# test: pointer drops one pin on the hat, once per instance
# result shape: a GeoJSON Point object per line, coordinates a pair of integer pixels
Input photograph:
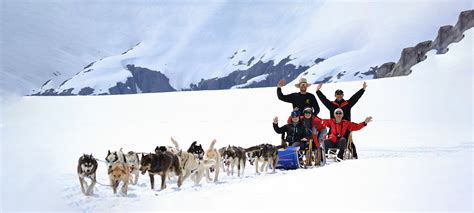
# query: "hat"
{"type": "Point", "coordinates": [338, 109]}
{"type": "Point", "coordinates": [339, 91]}
{"type": "Point", "coordinates": [295, 113]}
{"type": "Point", "coordinates": [308, 109]}
{"type": "Point", "coordinates": [302, 80]}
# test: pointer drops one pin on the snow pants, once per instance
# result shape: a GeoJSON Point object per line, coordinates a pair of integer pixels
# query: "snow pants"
{"type": "Point", "coordinates": [341, 144]}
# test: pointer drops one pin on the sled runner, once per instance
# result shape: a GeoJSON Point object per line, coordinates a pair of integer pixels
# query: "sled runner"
{"type": "Point", "coordinates": [309, 154]}
{"type": "Point", "coordinates": [348, 152]}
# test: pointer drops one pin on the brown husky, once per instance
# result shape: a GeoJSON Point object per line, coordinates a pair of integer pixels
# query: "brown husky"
{"type": "Point", "coordinates": [119, 172]}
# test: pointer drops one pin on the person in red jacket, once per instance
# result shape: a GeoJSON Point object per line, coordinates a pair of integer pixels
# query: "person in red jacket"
{"type": "Point", "coordinates": [313, 125]}
{"type": "Point", "coordinates": [339, 130]}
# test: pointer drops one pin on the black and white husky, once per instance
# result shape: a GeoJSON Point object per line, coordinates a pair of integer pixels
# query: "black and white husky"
{"type": "Point", "coordinates": [196, 150]}
{"type": "Point", "coordinates": [114, 157]}
{"type": "Point", "coordinates": [87, 167]}
{"type": "Point", "coordinates": [235, 156]}
{"type": "Point", "coordinates": [267, 154]}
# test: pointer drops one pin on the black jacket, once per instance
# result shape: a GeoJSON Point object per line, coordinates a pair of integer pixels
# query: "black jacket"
{"type": "Point", "coordinates": [294, 133]}
{"type": "Point", "coordinates": [343, 104]}
{"type": "Point", "coordinates": [300, 100]}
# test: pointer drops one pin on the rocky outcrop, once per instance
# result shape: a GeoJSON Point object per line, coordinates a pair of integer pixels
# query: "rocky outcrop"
{"type": "Point", "coordinates": [86, 91]}
{"type": "Point", "coordinates": [143, 80]}
{"type": "Point", "coordinates": [410, 56]}
{"type": "Point", "coordinates": [384, 69]}
{"type": "Point", "coordinates": [446, 35]}
{"type": "Point", "coordinates": [149, 80]}
{"type": "Point", "coordinates": [414, 55]}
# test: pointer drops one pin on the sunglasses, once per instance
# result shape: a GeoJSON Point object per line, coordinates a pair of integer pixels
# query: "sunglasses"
{"type": "Point", "coordinates": [307, 112]}
{"type": "Point", "coordinates": [338, 113]}
{"type": "Point", "coordinates": [339, 93]}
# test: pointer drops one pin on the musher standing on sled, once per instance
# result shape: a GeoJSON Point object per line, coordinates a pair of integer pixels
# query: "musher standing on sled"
{"type": "Point", "coordinates": [339, 130]}
{"type": "Point", "coordinates": [345, 105]}
{"type": "Point", "coordinates": [300, 100]}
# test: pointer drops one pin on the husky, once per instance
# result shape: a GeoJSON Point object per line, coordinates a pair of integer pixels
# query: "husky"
{"type": "Point", "coordinates": [87, 167]}
{"type": "Point", "coordinates": [264, 153]}
{"type": "Point", "coordinates": [161, 163]}
{"type": "Point", "coordinates": [254, 155]}
{"type": "Point", "coordinates": [191, 165]}
{"type": "Point", "coordinates": [197, 150]}
{"type": "Point", "coordinates": [114, 157]}
{"type": "Point", "coordinates": [133, 161]}
{"type": "Point", "coordinates": [174, 150]}
{"type": "Point", "coordinates": [235, 156]}
{"type": "Point", "coordinates": [119, 172]}
{"type": "Point", "coordinates": [213, 154]}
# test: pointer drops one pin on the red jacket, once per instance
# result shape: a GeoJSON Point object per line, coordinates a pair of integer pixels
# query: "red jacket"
{"type": "Point", "coordinates": [316, 123]}
{"type": "Point", "coordinates": [342, 129]}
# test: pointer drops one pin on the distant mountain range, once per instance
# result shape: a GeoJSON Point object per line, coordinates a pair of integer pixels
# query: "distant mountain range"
{"type": "Point", "coordinates": [217, 45]}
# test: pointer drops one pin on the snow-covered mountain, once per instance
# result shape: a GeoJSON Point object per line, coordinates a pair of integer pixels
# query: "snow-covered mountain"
{"type": "Point", "coordinates": [415, 156]}
{"type": "Point", "coordinates": [117, 46]}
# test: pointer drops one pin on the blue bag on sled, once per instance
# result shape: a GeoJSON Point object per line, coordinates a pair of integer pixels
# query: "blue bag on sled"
{"type": "Point", "coordinates": [288, 158]}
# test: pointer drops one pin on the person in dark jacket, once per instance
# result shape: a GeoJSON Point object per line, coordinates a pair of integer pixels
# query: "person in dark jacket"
{"type": "Point", "coordinates": [339, 130]}
{"type": "Point", "coordinates": [313, 125]}
{"type": "Point", "coordinates": [301, 99]}
{"type": "Point", "coordinates": [339, 102]}
{"type": "Point", "coordinates": [296, 134]}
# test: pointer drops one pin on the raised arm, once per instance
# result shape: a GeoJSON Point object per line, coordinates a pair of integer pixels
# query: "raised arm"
{"type": "Point", "coordinates": [353, 100]}
{"type": "Point", "coordinates": [277, 129]}
{"type": "Point", "coordinates": [285, 98]}
{"type": "Point", "coordinates": [315, 106]}
{"type": "Point", "coordinates": [357, 126]}
{"type": "Point", "coordinates": [323, 99]}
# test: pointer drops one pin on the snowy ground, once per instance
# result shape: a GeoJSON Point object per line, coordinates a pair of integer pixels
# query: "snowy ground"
{"type": "Point", "coordinates": [416, 155]}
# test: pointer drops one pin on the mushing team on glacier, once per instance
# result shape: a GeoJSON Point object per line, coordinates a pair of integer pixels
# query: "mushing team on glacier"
{"type": "Point", "coordinates": [306, 142]}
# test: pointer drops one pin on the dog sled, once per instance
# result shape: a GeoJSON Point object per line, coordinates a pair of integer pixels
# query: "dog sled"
{"type": "Point", "coordinates": [294, 157]}
{"type": "Point", "coordinates": [332, 153]}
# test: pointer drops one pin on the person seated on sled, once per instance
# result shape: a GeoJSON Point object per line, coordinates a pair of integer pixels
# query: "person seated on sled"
{"type": "Point", "coordinates": [296, 134]}
{"type": "Point", "coordinates": [313, 125]}
{"type": "Point", "coordinates": [339, 130]}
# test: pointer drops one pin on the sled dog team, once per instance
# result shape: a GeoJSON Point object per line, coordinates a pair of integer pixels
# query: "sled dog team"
{"type": "Point", "coordinates": [170, 161]}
